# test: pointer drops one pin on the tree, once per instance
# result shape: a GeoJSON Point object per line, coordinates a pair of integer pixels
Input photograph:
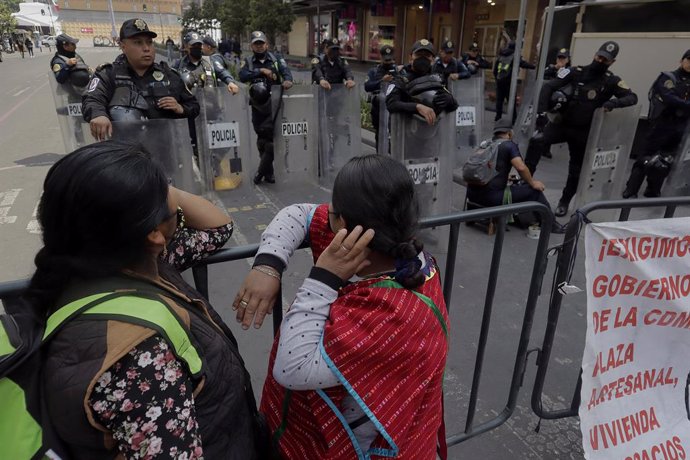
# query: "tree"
{"type": "Point", "coordinates": [271, 17]}
{"type": "Point", "coordinates": [7, 22]}
{"type": "Point", "coordinates": [233, 16]}
{"type": "Point", "coordinates": [193, 18]}
{"type": "Point", "coordinates": [12, 5]}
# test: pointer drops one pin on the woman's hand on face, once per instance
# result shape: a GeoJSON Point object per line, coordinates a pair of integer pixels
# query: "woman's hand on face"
{"type": "Point", "coordinates": [347, 253]}
{"type": "Point", "coordinates": [256, 298]}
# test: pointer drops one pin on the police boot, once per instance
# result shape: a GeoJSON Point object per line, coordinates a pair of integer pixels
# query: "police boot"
{"type": "Point", "coordinates": [258, 177]}
{"type": "Point", "coordinates": [561, 209]}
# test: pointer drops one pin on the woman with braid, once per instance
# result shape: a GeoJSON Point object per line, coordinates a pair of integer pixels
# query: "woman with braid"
{"type": "Point", "coordinates": [357, 368]}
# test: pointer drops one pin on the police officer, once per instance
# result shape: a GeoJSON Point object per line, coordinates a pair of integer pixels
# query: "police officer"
{"type": "Point", "coordinates": [262, 70]}
{"type": "Point", "coordinates": [416, 90]}
{"type": "Point", "coordinates": [473, 59]}
{"type": "Point", "coordinates": [376, 77]}
{"type": "Point", "coordinates": [592, 86]}
{"type": "Point", "coordinates": [330, 68]}
{"type": "Point", "coordinates": [447, 66]}
{"type": "Point", "coordinates": [562, 62]}
{"type": "Point", "coordinates": [669, 112]}
{"type": "Point", "coordinates": [220, 66]}
{"type": "Point", "coordinates": [503, 73]}
{"type": "Point", "coordinates": [135, 87]}
{"type": "Point", "coordinates": [199, 72]}
{"type": "Point", "coordinates": [68, 67]}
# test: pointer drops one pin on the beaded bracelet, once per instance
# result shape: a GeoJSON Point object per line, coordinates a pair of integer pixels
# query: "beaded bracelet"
{"type": "Point", "coordinates": [267, 271]}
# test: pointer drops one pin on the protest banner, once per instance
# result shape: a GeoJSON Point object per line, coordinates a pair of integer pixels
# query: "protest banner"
{"type": "Point", "coordinates": [637, 353]}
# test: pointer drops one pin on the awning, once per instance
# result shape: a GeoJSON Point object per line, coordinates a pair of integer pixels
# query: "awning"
{"type": "Point", "coordinates": [32, 21]}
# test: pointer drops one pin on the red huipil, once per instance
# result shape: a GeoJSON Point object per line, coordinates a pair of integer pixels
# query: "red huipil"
{"type": "Point", "coordinates": [387, 345]}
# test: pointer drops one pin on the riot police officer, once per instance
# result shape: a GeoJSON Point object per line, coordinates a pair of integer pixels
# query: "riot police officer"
{"type": "Point", "coordinates": [331, 68]}
{"type": "Point", "coordinates": [68, 67]}
{"type": "Point", "coordinates": [503, 73]}
{"type": "Point", "coordinates": [447, 66]}
{"type": "Point", "coordinates": [416, 90]}
{"type": "Point", "coordinates": [669, 112]}
{"type": "Point", "coordinates": [262, 70]}
{"type": "Point", "coordinates": [199, 72]}
{"type": "Point", "coordinates": [220, 66]}
{"type": "Point", "coordinates": [591, 86]}
{"type": "Point", "coordinates": [376, 77]}
{"type": "Point", "coordinates": [473, 59]}
{"type": "Point", "coordinates": [134, 86]}
{"type": "Point", "coordinates": [562, 62]}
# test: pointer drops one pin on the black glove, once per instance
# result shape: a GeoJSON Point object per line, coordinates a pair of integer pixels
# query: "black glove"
{"type": "Point", "coordinates": [609, 105]}
{"type": "Point", "coordinates": [444, 102]}
{"type": "Point", "coordinates": [541, 121]}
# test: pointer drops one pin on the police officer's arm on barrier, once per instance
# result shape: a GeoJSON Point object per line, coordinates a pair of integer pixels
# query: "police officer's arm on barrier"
{"type": "Point", "coordinates": [462, 71]}
{"type": "Point", "coordinates": [373, 82]}
{"type": "Point", "coordinates": [664, 87]}
{"type": "Point", "coordinates": [349, 77]}
{"type": "Point", "coordinates": [625, 96]}
{"type": "Point", "coordinates": [285, 74]}
{"type": "Point", "coordinates": [246, 75]}
{"type": "Point", "coordinates": [95, 104]}
{"type": "Point", "coordinates": [317, 74]}
{"type": "Point", "coordinates": [223, 75]}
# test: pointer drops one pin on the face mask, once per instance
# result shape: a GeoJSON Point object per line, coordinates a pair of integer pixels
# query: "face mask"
{"type": "Point", "coordinates": [333, 55]}
{"type": "Point", "coordinates": [195, 53]}
{"type": "Point", "coordinates": [260, 55]}
{"type": "Point", "coordinates": [421, 65]}
{"type": "Point", "coordinates": [598, 68]}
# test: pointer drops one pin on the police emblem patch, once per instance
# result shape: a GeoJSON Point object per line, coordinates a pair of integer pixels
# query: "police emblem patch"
{"type": "Point", "coordinates": [562, 50]}
{"type": "Point", "coordinates": [563, 72]}
{"type": "Point", "coordinates": [256, 34]}
{"type": "Point", "coordinates": [56, 67]}
{"type": "Point", "coordinates": [668, 84]}
{"type": "Point", "coordinates": [389, 89]}
{"type": "Point", "coordinates": [93, 84]}
{"type": "Point", "coordinates": [610, 47]}
{"type": "Point", "coordinates": [315, 61]}
{"type": "Point", "coordinates": [140, 24]}
{"type": "Point", "coordinates": [157, 75]}
{"type": "Point", "coordinates": [449, 44]}
{"type": "Point", "coordinates": [423, 42]}
{"type": "Point", "coordinates": [623, 84]}
{"type": "Point", "coordinates": [591, 94]}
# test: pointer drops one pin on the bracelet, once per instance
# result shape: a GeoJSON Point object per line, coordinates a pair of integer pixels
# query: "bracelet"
{"type": "Point", "coordinates": [267, 271]}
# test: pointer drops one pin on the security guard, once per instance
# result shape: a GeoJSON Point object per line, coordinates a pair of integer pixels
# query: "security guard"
{"type": "Point", "coordinates": [592, 86]}
{"type": "Point", "coordinates": [68, 67]}
{"type": "Point", "coordinates": [562, 62]}
{"type": "Point", "coordinates": [447, 66]}
{"type": "Point", "coordinates": [220, 67]}
{"type": "Point", "coordinates": [135, 87]}
{"type": "Point", "coordinates": [669, 112]}
{"type": "Point", "coordinates": [376, 77]}
{"type": "Point", "coordinates": [416, 90]}
{"type": "Point", "coordinates": [473, 59]}
{"type": "Point", "coordinates": [261, 71]}
{"type": "Point", "coordinates": [503, 73]}
{"type": "Point", "coordinates": [331, 68]}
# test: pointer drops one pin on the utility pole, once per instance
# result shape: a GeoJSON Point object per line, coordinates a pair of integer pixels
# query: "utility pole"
{"type": "Point", "coordinates": [113, 31]}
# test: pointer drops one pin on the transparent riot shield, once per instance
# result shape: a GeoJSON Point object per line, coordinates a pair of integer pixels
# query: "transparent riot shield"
{"type": "Point", "coordinates": [296, 134]}
{"type": "Point", "coordinates": [75, 131]}
{"type": "Point", "coordinates": [168, 142]}
{"type": "Point", "coordinates": [524, 126]}
{"type": "Point", "coordinates": [427, 152]}
{"type": "Point", "coordinates": [301, 77]}
{"type": "Point", "coordinates": [608, 148]}
{"type": "Point", "coordinates": [340, 130]}
{"type": "Point", "coordinates": [223, 139]}
{"type": "Point", "coordinates": [469, 116]}
{"type": "Point", "coordinates": [678, 181]}
{"type": "Point", "coordinates": [383, 145]}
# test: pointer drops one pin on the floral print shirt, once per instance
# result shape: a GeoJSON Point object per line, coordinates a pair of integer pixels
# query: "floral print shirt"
{"type": "Point", "coordinates": [145, 399]}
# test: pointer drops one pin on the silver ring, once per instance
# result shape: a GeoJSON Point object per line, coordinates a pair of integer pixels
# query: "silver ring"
{"type": "Point", "coordinates": [244, 303]}
{"type": "Point", "coordinates": [342, 246]}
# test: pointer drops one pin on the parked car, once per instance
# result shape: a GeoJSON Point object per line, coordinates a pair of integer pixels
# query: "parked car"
{"type": "Point", "coordinates": [48, 40]}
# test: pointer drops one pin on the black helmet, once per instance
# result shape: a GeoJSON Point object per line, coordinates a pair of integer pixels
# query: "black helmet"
{"type": "Point", "coordinates": [120, 113]}
{"type": "Point", "coordinates": [472, 68]}
{"type": "Point", "coordinates": [79, 78]}
{"type": "Point", "coordinates": [189, 79]}
{"type": "Point", "coordinates": [560, 98]}
{"type": "Point", "coordinates": [259, 93]}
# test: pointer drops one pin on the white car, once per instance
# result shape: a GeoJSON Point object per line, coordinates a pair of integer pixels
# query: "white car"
{"type": "Point", "coordinates": [48, 40]}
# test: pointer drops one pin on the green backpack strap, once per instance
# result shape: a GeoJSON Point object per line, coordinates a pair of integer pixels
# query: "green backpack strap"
{"type": "Point", "coordinates": [136, 308]}
{"type": "Point", "coordinates": [390, 283]}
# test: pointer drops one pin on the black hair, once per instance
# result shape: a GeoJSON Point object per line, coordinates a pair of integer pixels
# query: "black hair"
{"type": "Point", "coordinates": [98, 205]}
{"type": "Point", "coordinates": [376, 191]}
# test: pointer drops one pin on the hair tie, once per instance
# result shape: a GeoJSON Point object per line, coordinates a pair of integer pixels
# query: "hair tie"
{"type": "Point", "coordinates": [406, 268]}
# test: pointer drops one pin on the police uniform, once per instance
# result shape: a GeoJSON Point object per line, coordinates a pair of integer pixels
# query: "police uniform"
{"type": "Point", "coordinates": [669, 113]}
{"type": "Point", "coordinates": [199, 74]}
{"type": "Point", "coordinates": [75, 78]}
{"type": "Point", "coordinates": [375, 81]}
{"type": "Point", "coordinates": [503, 73]}
{"type": "Point", "coordinates": [551, 71]}
{"type": "Point", "coordinates": [592, 86]}
{"type": "Point", "coordinates": [333, 72]}
{"type": "Point", "coordinates": [479, 59]}
{"type": "Point", "coordinates": [262, 114]}
{"type": "Point", "coordinates": [116, 88]}
{"type": "Point", "coordinates": [411, 87]}
{"type": "Point", "coordinates": [453, 66]}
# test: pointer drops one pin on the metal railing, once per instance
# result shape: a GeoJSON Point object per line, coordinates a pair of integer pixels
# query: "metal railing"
{"type": "Point", "coordinates": [500, 215]}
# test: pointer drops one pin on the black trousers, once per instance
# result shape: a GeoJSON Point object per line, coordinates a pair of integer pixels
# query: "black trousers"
{"type": "Point", "coordinates": [262, 121]}
{"type": "Point", "coordinates": [520, 193]}
{"type": "Point", "coordinates": [664, 138]}
{"type": "Point", "coordinates": [576, 137]}
{"type": "Point", "coordinates": [502, 95]}
{"type": "Point", "coordinates": [375, 114]}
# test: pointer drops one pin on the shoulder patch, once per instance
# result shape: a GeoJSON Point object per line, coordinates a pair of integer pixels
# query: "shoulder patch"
{"type": "Point", "coordinates": [93, 84]}
{"type": "Point", "coordinates": [668, 84]}
{"type": "Point", "coordinates": [389, 89]}
{"type": "Point", "coordinates": [622, 84]}
{"type": "Point", "coordinates": [345, 62]}
{"type": "Point", "coordinates": [57, 67]}
{"type": "Point", "coordinates": [244, 64]}
{"type": "Point", "coordinates": [563, 72]}
{"type": "Point", "coordinates": [315, 61]}
{"type": "Point", "coordinates": [282, 62]}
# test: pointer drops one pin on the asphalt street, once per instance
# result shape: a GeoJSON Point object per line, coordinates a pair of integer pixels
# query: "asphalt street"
{"type": "Point", "coordinates": [31, 141]}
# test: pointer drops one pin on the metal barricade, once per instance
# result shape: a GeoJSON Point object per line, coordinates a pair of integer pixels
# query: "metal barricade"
{"type": "Point", "coordinates": [678, 181]}
{"type": "Point", "coordinates": [562, 277]}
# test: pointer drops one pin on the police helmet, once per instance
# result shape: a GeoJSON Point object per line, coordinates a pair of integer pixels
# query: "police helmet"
{"type": "Point", "coordinates": [560, 98]}
{"type": "Point", "coordinates": [259, 93]}
{"type": "Point", "coordinates": [120, 113]}
{"type": "Point", "coordinates": [189, 80]}
{"type": "Point", "coordinates": [79, 78]}
{"type": "Point", "coordinates": [472, 68]}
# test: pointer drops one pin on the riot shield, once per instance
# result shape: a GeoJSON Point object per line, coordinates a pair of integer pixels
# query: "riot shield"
{"type": "Point", "coordinates": [296, 134]}
{"type": "Point", "coordinates": [608, 148]}
{"type": "Point", "coordinates": [75, 131]}
{"type": "Point", "coordinates": [678, 181]}
{"type": "Point", "coordinates": [301, 77]}
{"type": "Point", "coordinates": [340, 130]}
{"type": "Point", "coordinates": [168, 142]}
{"type": "Point", "coordinates": [524, 125]}
{"type": "Point", "coordinates": [223, 138]}
{"type": "Point", "coordinates": [383, 145]}
{"type": "Point", "coordinates": [469, 116]}
{"type": "Point", "coordinates": [426, 151]}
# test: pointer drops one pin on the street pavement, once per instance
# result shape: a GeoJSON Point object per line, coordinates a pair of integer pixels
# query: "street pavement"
{"type": "Point", "coordinates": [31, 142]}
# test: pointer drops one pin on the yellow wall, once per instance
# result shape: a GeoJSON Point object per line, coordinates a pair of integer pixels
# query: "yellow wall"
{"type": "Point", "coordinates": [152, 6]}
{"type": "Point", "coordinates": [73, 29]}
{"type": "Point", "coordinates": [297, 38]}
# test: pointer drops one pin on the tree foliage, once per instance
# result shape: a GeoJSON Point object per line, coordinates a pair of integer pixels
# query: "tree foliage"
{"type": "Point", "coordinates": [7, 22]}
{"type": "Point", "coordinates": [271, 17]}
{"type": "Point", "coordinates": [12, 5]}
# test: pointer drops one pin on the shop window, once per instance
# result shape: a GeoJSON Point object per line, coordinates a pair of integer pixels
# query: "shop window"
{"type": "Point", "coordinates": [350, 37]}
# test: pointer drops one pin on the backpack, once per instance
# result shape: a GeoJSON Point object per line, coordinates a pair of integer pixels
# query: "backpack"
{"type": "Point", "coordinates": [25, 430]}
{"type": "Point", "coordinates": [480, 167]}
{"type": "Point", "coordinates": [656, 103]}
